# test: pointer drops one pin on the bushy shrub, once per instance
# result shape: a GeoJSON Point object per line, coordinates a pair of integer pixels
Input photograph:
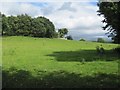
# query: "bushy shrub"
{"type": "Point", "coordinates": [69, 37]}
{"type": "Point", "coordinates": [100, 50]}
{"type": "Point", "coordinates": [117, 49]}
{"type": "Point", "coordinates": [101, 40]}
{"type": "Point", "coordinates": [82, 39]}
{"type": "Point", "coordinates": [55, 35]}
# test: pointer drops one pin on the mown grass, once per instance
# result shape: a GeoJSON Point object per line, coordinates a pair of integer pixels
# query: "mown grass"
{"type": "Point", "coordinates": [41, 62]}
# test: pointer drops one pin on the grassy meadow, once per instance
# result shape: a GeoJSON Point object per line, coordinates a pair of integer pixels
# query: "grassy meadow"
{"type": "Point", "coordinates": [56, 63]}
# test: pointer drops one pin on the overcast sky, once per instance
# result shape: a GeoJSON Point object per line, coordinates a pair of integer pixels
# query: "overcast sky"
{"type": "Point", "coordinates": [79, 17]}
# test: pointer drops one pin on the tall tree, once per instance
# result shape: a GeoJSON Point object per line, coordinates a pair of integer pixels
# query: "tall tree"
{"type": "Point", "coordinates": [111, 12]}
{"type": "Point", "coordinates": [23, 25]}
{"type": "Point", "coordinates": [12, 25]}
{"type": "Point", "coordinates": [50, 28]}
{"type": "Point", "coordinates": [38, 29]}
{"type": "Point", "coordinates": [62, 32]}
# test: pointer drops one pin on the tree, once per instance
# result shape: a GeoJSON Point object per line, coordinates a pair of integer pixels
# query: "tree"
{"type": "Point", "coordinates": [23, 24]}
{"type": "Point", "coordinates": [69, 37]}
{"type": "Point", "coordinates": [5, 26]}
{"type": "Point", "coordinates": [0, 24]}
{"type": "Point", "coordinates": [62, 32]}
{"type": "Point", "coordinates": [55, 35]}
{"type": "Point", "coordinates": [27, 26]}
{"type": "Point", "coordinates": [50, 28]}
{"type": "Point", "coordinates": [101, 40]}
{"type": "Point", "coordinates": [111, 12]}
{"type": "Point", "coordinates": [38, 29]}
{"type": "Point", "coordinates": [46, 27]}
{"type": "Point", "coordinates": [82, 39]}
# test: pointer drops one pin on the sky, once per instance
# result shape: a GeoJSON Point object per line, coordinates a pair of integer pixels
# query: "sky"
{"type": "Point", "coordinates": [80, 17]}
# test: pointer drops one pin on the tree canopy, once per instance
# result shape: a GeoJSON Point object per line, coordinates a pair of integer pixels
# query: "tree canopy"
{"type": "Point", "coordinates": [111, 12]}
{"type": "Point", "coordinates": [62, 32]}
{"type": "Point", "coordinates": [69, 37]}
{"type": "Point", "coordinates": [101, 40]}
{"type": "Point", "coordinates": [27, 26]}
{"type": "Point", "coordinates": [82, 39]}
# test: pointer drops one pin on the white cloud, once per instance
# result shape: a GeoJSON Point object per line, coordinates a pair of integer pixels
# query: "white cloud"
{"type": "Point", "coordinates": [15, 8]}
{"type": "Point", "coordinates": [82, 20]}
{"type": "Point", "coordinates": [79, 17]}
{"type": "Point", "coordinates": [47, 0]}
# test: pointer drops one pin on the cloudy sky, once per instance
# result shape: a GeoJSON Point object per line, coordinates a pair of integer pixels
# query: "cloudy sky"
{"type": "Point", "coordinates": [80, 17]}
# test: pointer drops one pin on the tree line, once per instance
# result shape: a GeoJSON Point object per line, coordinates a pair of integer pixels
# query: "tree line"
{"type": "Point", "coordinates": [27, 26]}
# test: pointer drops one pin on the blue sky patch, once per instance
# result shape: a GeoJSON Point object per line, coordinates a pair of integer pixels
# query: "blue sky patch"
{"type": "Point", "coordinates": [40, 4]}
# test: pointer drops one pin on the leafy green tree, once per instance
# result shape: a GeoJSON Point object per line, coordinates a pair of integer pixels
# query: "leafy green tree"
{"type": "Point", "coordinates": [5, 26]}
{"type": "Point", "coordinates": [12, 25]}
{"type": "Point", "coordinates": [55, 35]}
{"type": "Point", "coordinates": [50, 29]}
{"type": "Point", "coordinates": [111, 12]}
{"type": "Point", "coordinates": [0, 24]}
{"type": "Point", "coordinates": [38, 29]}
{"type": "Point", "coordinates": [69, 37]}
{"type": "Point", "coordinates": [62, 32]}
{"type": "Point", "coordinates": [42, 27]}
{"type": "Point", "coordinates": [23, 25]}
{"type": "Point", "coordinates": [101, 40]}
{"type": "Point", "coordinates": [82, 39]}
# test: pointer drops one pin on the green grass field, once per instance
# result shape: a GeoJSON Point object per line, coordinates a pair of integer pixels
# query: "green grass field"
{"type": "Point", "coordinates": [42, 62]}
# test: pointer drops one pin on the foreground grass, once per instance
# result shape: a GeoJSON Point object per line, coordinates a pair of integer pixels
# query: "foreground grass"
{"type": "Point", "coordinates": [34, 62]}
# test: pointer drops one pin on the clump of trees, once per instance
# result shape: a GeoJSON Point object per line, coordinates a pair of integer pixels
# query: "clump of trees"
{"type": "Point", "coordinates": [27, 26]}
{"type": "Point", "coordinates": [101, 40]}
{"type": "Point", "coordinates": [111, 12]}
{"type": "Point", "coordinates": [82, 39]}
{"type": "Point", "coordinates": [69, 37]}
{"type": "Point", "coordinates": [62, 32]}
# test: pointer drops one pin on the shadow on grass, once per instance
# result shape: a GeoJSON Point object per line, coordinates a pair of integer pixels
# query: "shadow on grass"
{"type": "Point", "coordinates": [14, 78]}
{"type": "Point", "coordinates": [87, 55]}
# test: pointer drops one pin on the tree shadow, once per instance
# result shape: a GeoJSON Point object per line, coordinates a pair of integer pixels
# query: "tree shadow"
{"type": "Point", "coordinates": [14, 78]}
{"type": "Point", "coordinates": [86, 55]}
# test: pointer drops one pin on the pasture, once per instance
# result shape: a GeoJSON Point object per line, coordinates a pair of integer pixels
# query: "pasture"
{"type": "Point", "coordinates": [56, 63]}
